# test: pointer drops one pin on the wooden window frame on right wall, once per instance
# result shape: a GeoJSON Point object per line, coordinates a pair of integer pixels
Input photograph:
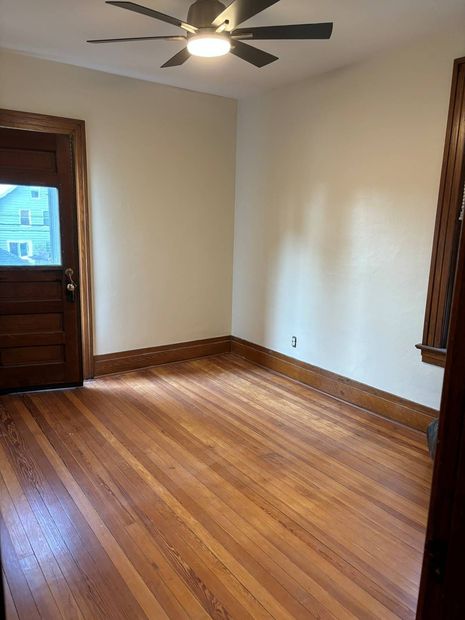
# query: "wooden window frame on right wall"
{"type": "Point", "coordinates": [449, 219]}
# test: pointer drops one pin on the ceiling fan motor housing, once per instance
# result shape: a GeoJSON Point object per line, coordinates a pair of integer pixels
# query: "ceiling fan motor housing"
{"type": "Point", "coordinates": [203, 12]}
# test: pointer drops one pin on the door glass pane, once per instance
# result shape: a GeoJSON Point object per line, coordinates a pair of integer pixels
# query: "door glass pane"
{"type": "Point", "coordinates": [29, 226]}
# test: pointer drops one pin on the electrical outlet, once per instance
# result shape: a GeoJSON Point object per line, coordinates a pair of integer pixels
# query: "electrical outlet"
{"type": "Point", "coordinates": [294, 342]}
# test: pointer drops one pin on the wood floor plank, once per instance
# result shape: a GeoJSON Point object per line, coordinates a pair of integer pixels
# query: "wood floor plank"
{"type": "Point", "coordinates": [65, 527]}
{"type": "Point", "coordinates": [38, 583]}
{"type": "Point", "coordinates": [161, 446]}
{"type": "Point", "coordinates": [326, 442]}
{"type": "Point", "coordinates": [270, 466]}
{"type": "Point", "coordinates": [10, 608]}
{"type": "Point", "coordinates": [326, 410]}
{"type": "Point", "coordinates": [22, 596]}
{"type": "Point", "coordinates": [127, 571]}
{"type": "Point", "coordinates": [184, 501]}
{"type": "Point", "coordinates": [222, 450]}
{"type": "Point", "coordinates": [311, 452]}
{"type": "Point", "coordinates": [208, 489]}
{"type": "Point", "coordinates": [190, 529]}
{"type": "Point", "coordinates": [113, 483]}
{"type": "Point", "coordinates": [23, 513]}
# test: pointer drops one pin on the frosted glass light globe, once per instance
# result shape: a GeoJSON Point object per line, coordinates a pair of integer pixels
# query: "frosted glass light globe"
{"type": "Point", "coordinates": [208, 45]}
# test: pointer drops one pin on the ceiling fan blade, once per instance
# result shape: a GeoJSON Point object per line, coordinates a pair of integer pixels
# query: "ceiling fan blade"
{"type": "Point", "coordinates": [167, 38]}
{"type": "Point", "coordinates": [256, 57]}
{"type": "Point", "coordinates": [143, 10]}
{"type": "Point", "coordinates": [240, 10]}
{"type": "Point", "coordinates": [178, 59]}
{"type": "Point", "coordinates": [297, 31]}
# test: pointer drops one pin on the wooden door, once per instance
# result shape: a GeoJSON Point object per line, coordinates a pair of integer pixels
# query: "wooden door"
{"type": "Point", "coordinates": [40, 340]}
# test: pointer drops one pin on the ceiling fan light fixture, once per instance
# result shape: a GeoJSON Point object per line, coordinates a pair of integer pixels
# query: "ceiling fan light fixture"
{"type": "Point", "coordinates": [209, 45]}
{"type": "Point", "coordinates": [211, 30]}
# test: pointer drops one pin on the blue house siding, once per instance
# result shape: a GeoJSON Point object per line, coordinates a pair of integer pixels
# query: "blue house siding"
{"type": "Point", "coordinates": [36, 239]}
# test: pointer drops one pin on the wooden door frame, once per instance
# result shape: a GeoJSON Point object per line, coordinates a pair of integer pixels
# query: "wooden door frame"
{"type": "Point", "coordinates": [75, 129]}
{"type": "Point", "coordinates": [442, 595]}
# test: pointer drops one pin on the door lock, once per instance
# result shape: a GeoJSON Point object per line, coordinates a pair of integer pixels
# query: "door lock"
{"type": "Point", "coordinates": [71, 286]}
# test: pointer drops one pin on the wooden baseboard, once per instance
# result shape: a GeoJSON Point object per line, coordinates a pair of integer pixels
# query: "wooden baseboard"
{"type": "Point", "coordinates": [382, 403]}
{"type": "Point", "coordinates": [125, 361]}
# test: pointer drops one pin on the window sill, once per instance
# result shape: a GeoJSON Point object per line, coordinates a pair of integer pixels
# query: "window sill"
{"type": "Point", "coordinates": [432, 355]}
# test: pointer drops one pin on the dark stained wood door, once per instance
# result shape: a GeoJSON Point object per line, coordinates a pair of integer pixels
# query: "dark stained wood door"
{"type": "Point", "coordinates": [40, 340]}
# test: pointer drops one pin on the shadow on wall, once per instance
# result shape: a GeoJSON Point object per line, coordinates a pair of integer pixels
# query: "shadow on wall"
{"type": "Point", "coordinates": [339, 216]}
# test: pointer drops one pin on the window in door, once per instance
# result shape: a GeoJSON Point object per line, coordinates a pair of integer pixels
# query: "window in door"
{"type": "Point", "coordinates": [39, 214]}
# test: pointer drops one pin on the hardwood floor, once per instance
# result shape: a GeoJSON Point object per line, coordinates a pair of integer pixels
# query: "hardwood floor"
{"type": "Point", "coordinates": [209, 488]}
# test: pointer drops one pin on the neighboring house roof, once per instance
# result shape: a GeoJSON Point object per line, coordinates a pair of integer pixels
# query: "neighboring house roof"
{"type": "Point", "coordinates": [7, 258]}
{"type": "Point", "coordinates": [6, 189]}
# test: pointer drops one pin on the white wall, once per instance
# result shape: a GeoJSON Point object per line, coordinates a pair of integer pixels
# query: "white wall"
{"type": "Point", "coordinates": [336, 192]}
{"type": "Point", "coordinates": [161, 173]}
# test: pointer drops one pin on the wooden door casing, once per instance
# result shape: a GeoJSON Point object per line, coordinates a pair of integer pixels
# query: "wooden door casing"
{"type": "Point", "coordinates": [442, 595]}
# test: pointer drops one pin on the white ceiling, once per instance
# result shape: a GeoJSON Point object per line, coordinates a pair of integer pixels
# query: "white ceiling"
{"type": "Point", "coordinates": [57, 29]}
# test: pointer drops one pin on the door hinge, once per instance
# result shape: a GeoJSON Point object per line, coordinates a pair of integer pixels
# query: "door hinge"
{"type": "Point", "coordinates": [437, 553]}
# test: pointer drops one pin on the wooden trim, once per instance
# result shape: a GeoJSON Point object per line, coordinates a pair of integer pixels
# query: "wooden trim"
{"type": "Point", "coordinates": [447, 227]}
{"type": "Point", "coordinates": [442, 595]}
{"type": "Point", "coordinates": [125, 361]}
{"type": "Point", "coordinates": [432, 355]}
{"type": "Point", "coordinates": [376, 401]}
{"type": "Point", "coordinates": [382, 403]}
{"type": "Point", "coordinates": [75, 129]}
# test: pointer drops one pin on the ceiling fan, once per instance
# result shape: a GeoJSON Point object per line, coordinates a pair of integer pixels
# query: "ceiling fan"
{"type": "Point", "coordinates": [211, 30]}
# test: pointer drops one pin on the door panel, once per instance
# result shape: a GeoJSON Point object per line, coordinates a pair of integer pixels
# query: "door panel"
{"type": "Point", "coordinates": [40, 341]}
{"type": "Point", "coordinates": [33, 354]}
{"type": "Point", "coordinates": [31, 291]}
{"type": "Point", "coordinates": [33, 160]}
{"type": "Point", "coordinates": [27, 323]}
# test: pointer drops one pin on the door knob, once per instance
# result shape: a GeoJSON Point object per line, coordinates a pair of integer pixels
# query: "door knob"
{"type": "Point", "coordinates": [71, 285]}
